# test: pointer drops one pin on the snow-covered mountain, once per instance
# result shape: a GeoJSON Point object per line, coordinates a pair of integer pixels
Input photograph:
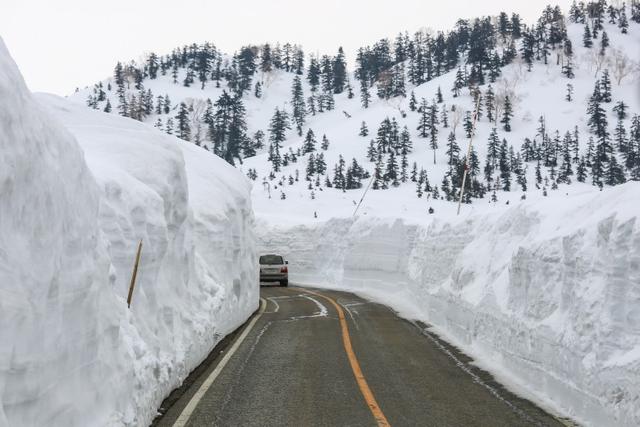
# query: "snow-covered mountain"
{"type": "Point", "coordinates": [538, 277]}
{"type": "Point", "coordinates": [228, 104]}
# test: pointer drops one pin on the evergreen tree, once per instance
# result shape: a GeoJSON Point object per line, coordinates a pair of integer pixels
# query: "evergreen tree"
{"type": "Point", "coordinates": [507, 114]}
{"type": "Point", "coordinates": [309, 142]}
{"type": "Point", "coordinates": [123, 107]}
{"type": "Point", "coordinates": [569, 95]}
{"type": "Point", "coordinates": [566, 170]}
{"type": "Point", "coordinates": [452, 153]}
{"type": "Point", "coordinates": [311, 168]}
{"type": "Point", "coordinates": [538, 174]}
{"type": "Point", "coordinates": [439, 97]}
{"type": "Point", "coordinates": [489, 100]}
{"type": "Point", "coordinates": [623, 23]}
{"type": "Point", "coordinates": [605, 87]}
{"type": "Point", "coordinates": [614, 174]}
{"type": "Point", "coordinates": [326, 76]}
{"type": "Point", "coordinates": [620, 137]}
{"type": "Point", "coordinates": [505, 167]}
{"type": "Point", "coordinates": [298, 61]}
{"type": "Point", "coordinates": [444, 117]}
{"type": "Point", "coordinates": [520, 171]}
{"type": "Point", "coordinates": [313, 74]}
{"type": "Point", "coordinates": [184, 127]}
{"type": "Point", "coordinates": [321, 165]}
{"type": "Point", "coordinates": [227, 130]}
{"type": "Point", "coordinates": [567, 69]}
{"type": "Point", "coordinates": [311, 105]}
{"type": "Point", "coordinates": [378, 177]}
{"type": "Point", "coordinates": [604, 43]}
{"type": "Point", "coordinates": [107, 107]}
{"type": "Point", "coordinates": [495, 69]}
{"type": "Point", "coordinates": [350, 93]}
{"type": "Point", "coordinates": [405, 144]}
{"type": "Point", "coordinates": [266, 61]}
{"type": "Point", "coordinates": [169, 127]}
{"type": "Point", "coordinates": [159, 104]}
{"type": "Point", "coordinates": [621, 110]}
{"type": "Point", "coordinates": [414, 172]}
{"type": "Point", "coordinates": [398, 81]}
{"type": "Point", "coordinates": [258, 140]}
{"type": "Point", "coordinates": [339, 72]}
{"type": "Point", "coordinates": [586, 37]}
{"type": "Point", "coordinates": [189, 77]}
{"type": "Point", "coordinates": [420, 183]}
{"type": "Point", "coordinates": [446, 189]}
{"type": "Point", "coordinates": [528, 49]}
{"type": "Point", "coordinates": [424, 123]}
{"type": "Point", "coordinates": [325, 143]}
{"type": "Point", "coordinates": [413, 103]}
{"type": "Point", "coordinates": [635, 11]}
{"type": "Point", "coordinates": [433, 129]}
{"type": "Point", "coordinates": [581, 173]}
{"type": "Point", "coordinates": [365, 96]}
{"type": "Point", "coordinates": [364, 131]}
{"type": "Point", "coordinates": [298, 104]}
{"type": "Point", "coordinates": [458, 84]}
{"type": "Point", "coordinates": [277, 134]}
{"type": "Point", "coordinates": [391, 172]}
{"type": "Point", "coordinates": [167, 104]}
{"type": "Point", "coordinates": [468, 124]}
{"type": "Point", "coordinates": [597, 116]}
{"type": "Point", "coordinates": [493, 155]}
{"type": "Point", "coordinates": [372, 152]}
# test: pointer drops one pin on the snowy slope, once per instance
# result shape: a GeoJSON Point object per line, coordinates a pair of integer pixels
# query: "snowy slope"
{"type": "Point", "coordinates": [547, 304]}
{"type": "Point", "coordinates": [540, 92]}
{"type": "Point", "coordinates": [75, 203]}
{"type": "Point", "coordinates": [542, 291]}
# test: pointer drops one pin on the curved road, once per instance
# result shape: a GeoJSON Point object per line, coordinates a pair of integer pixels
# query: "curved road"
{"type": "Point", "coordinates": [326, 358]}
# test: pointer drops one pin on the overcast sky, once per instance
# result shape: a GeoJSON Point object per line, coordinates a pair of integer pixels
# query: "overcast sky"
{"type": "Point", "coordinates": [62, 44]}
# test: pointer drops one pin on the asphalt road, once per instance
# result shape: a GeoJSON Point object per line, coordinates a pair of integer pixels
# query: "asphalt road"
{"type": "Point", "coordinates": [300, 364]}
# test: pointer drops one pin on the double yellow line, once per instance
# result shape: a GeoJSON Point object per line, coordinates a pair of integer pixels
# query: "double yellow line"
{"type": "Point", "coordinates": [355, 365]}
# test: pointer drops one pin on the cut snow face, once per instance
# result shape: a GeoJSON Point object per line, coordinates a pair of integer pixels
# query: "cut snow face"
{"type": "Point", "coordinates": [59, 320]}
{"type": "Point", "coordinates": [547, 304]}
{"type": "Point", "coordinates": [75, 203]}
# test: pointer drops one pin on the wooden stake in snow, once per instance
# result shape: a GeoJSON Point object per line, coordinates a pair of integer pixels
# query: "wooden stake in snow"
{"type": "Point", "coordinates": [135, 273]}
{"type": "Point", "coordinates": [466, 163]}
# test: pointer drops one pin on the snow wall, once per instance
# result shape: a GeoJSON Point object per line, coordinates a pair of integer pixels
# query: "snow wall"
{"type": "Point", "coordinates": [545, 296]}
{"type": "Point", "coordinates": [78, 190]}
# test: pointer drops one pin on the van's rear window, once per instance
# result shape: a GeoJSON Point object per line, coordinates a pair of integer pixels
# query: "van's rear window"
{"type": "Point", "coordinates": [271, 260]}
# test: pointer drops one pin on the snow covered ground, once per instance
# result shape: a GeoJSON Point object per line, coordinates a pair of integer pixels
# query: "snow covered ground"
{"type": "Point", "coordinates": [545, 295]}
{"type": "Point", "coordinates": [543, 291]}
{"type": "Point", "coordinates": [79, 190]}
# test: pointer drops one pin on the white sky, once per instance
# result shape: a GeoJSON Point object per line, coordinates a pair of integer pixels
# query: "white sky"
{"type": "Point", "coordinates": [61, 44]}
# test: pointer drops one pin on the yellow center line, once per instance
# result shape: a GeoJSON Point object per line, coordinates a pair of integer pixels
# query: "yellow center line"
{"type": "Point", "coordinates": [355, 365]}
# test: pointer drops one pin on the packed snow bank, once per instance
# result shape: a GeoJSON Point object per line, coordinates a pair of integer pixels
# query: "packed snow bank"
{"type": "Point", "coordinates": [197, 279]}
{"type": "Point", "coordinates": [72, 354]}
{"type": "Point", "coordinates": [59, 320]}
{"type": "Point", "coordinates": [545, 295]}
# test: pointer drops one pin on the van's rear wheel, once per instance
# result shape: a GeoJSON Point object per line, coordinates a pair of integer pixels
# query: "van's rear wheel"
{"type": "Point", "coordinates": [284, 283]}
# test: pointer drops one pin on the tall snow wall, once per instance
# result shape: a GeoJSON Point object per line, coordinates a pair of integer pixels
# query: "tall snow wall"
{"type": "Point", "coordinates": [545, 296]}
{"type": "Point", "coordinates": [78, 190]}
